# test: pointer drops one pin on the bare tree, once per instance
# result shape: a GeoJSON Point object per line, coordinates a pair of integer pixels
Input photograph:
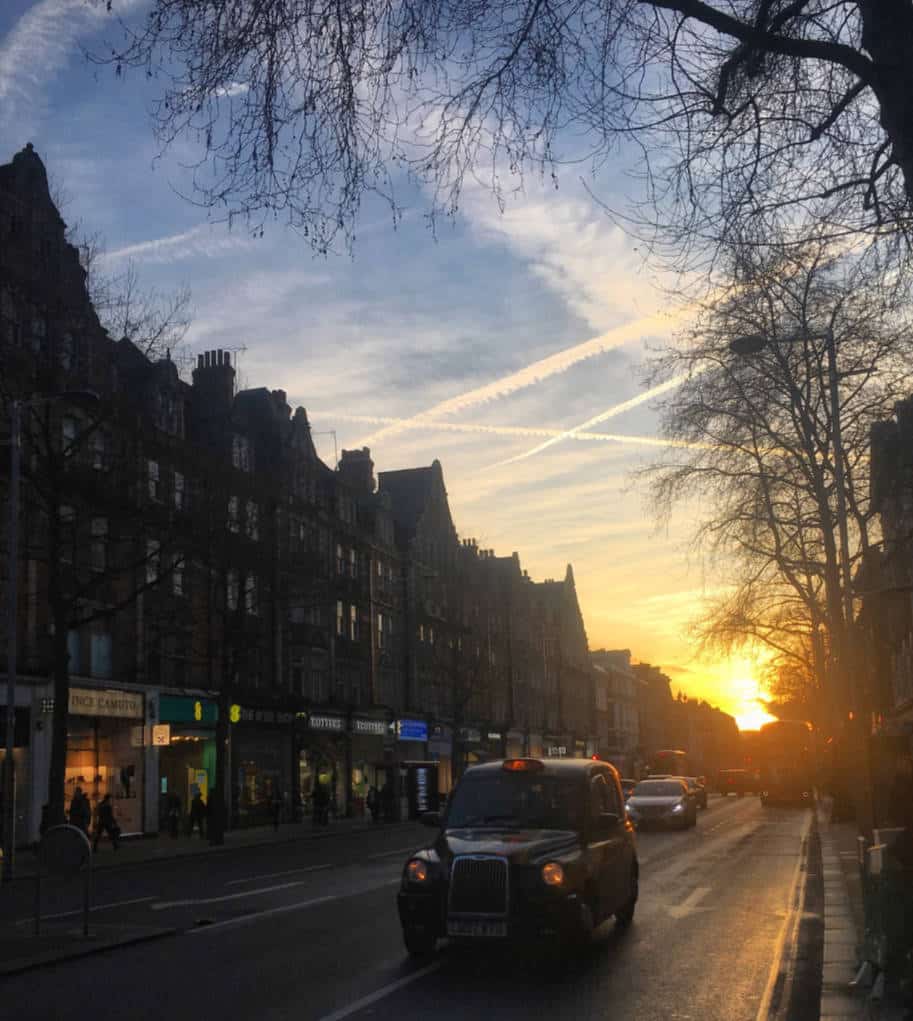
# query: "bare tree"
{"type": "Point", "coordinates": [766, 109]}
{"type": "Point", "coordinates": [755, 444]}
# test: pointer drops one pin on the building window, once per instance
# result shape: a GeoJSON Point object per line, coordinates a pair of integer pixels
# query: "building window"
{"type": "Point", "coordinates": [340, 560]}
{"type": "Point", "coordinates": [340, 619]}
{"type": "Point", "coordinates": [353, 623]}
{"type": "Point", "coordinates": [67, 351]}
{"type": "Point", "coordinates": [99, 546]}
{"type": "Point", "coordinates": [232, 590]}
{"type": "Point", "coordinates": [253, 525]}
{"type": "Point", "coordinates": [100, 655]}
{"type": "Point", "coordinates": [296, 614]}
{"type": "Point", "coordinates": [353, 564]}
{"type": "Point", "coordinates": [152, 478]}
{"type": "Point", "coordinates": [68, 431]}
{"type": "Point", "coordinates": [178, 491]}
{"type": "Point", "coordinates": [233, 525]}
{"type": "Point", "coordinates": [380, 570]}
{"type": "Point", "coordinates": [177, 576]}
{"type": "Point", "coordinates": [99, 451]}
{"type": "Point", "coordinates": [318, 684]}
{"type": "Point", "coordinates": [153, 548]}
{"type": "Point", "coordinates": [240, 452]}
{"type": "Point", "coordinates": [296, 674]}
{"type": "Point", "coordinates": [67, 519]}
{"type": "Point", "coordinates": [315, 616]}
{"type": "Point", "coordinates": [431, 635]}
{"type": "Point", "coordinates": [74, 650]}
{"type": "Point", "coordinates": [380, 631]}
{"type": "Point", "coordinates": [251, 605]}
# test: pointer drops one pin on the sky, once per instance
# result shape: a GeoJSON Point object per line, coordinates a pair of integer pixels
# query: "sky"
{"type": "Point", "coordinates": [508, 345]}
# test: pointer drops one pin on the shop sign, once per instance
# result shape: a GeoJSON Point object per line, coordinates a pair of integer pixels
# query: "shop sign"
{"type": "Point", "coordinates": [100, 702]}
{"type": "Point", "coordinates": [556, 751]}
{"type": "Point", "coordinates": [319, 721]}
{"type": "Point", "coordinates": [493, 735]}
{"type": "Point", "coordinates": [275, 716]}
{"type": "Point", "coordinates": [378, 728]}
{"type": "Point", "coordinates": [181, 709]}
{"type": "Point", "coordinates": [161, 734]}
{"type": "Point", "coordinates": [412, 730]}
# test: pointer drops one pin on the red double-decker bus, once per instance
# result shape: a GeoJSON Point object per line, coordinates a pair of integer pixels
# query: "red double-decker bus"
{"type": "Point", "coordinates": [669, 761]}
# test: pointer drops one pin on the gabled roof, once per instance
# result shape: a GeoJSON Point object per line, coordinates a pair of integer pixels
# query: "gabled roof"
{"type": "Point", "coordinates": [412, 491]}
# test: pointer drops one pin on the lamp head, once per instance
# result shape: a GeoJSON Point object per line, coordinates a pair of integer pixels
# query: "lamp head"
{"type": "Point", "coordinates": [749, 344]}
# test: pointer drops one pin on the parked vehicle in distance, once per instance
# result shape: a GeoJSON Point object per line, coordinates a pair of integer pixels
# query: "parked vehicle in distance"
{"type": "Point", "coordinates": [669, 762]}
{"type": "Point", "coordinates": [737, 781]}
{"type": "Point", "coordinates": [662, 803]}
{"type": "Point", "coordinates": [698, 790]}
{"type": "Point", "coordinates": [529, 849]}
{"type": "Point", "coordinates": [787, 762]}
{"type": "Point", "coordinates": [627, 785]}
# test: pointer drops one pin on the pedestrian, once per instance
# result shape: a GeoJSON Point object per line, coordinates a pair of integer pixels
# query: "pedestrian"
{"type": "Point", "coordinates": [276, 807]}
{"type": "Point", "coordinates": [198, 813]}
{"type": "Point", "coordinates": [386, 797]}
{"type": "Point", "coordinates": [80, 811]}
{"type": "Point", "coordinates": [106, 823]}
{"type": "Point", "coordinates": [372, 802]}
{"type": "Point", "coordinates": [321, 804]}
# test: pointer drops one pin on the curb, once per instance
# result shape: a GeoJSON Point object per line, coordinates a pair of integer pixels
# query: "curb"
{"type": "Point", "coordinates": [112, 865]}
{"type": "Point", "coordinates": [21, 965]}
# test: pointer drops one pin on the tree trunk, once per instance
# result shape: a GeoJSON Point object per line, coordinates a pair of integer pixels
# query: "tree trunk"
{"type": "Point", "coordinates": [61, 667]}
{"type": "Point", "coordinates": [217, 822]}
{"type": "Point", "coordinates": [887, 35]}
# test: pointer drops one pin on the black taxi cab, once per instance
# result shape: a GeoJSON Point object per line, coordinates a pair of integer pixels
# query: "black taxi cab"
{"type": "Point", "coordinates": [528, 849]}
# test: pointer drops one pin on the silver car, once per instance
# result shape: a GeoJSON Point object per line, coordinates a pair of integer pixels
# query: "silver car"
{"type": "Point", "coordinates": [662, 803]}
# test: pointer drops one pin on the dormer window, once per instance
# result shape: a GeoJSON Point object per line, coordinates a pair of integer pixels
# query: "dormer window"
{"type": "Point", "coordinates": [67, 352]}
{"type": "Point", "coordinates": [240, 452]}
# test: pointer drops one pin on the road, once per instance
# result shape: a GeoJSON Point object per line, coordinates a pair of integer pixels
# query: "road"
{"type": "Point", "coordinates": [308, 931]}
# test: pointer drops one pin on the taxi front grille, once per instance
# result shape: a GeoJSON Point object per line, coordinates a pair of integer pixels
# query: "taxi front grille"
{"type": "Point", "coordinates": [478, 886]}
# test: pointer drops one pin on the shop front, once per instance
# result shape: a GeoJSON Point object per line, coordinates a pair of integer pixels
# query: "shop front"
{"type": "Point", "coordinates": [106, 745]}
{"type": "Point", "coordinates": [21, 763]}
{"type": "Point", "coordinates": [558, 746]}
{"type": "Point", "coordinates": [187, 762]}
{"type": "Point", "coordinates": [515, 745]}
{"type": "Point", "coordinates": [322, 748]}
{"type": "Point", "coordinates": [440, 750]}
{"type": "Point", "coordinates": [261, 764]}
{"type": "Point", "coordinates": [368, 738]}
{"type": "Point", "coordinates": [535, 746]}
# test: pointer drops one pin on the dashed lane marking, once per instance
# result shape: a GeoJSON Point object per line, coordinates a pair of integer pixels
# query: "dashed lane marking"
{"type": "Point", "coordinates": [196, 901]}
{"type": "Point", "coordinates": [255, 916]}
{"type": "Point", "coordinates": [276, 875]}
{"type": "Point", "coordinates": [379, 994]}
{"type": "Point", "coordinates": [78, 911]}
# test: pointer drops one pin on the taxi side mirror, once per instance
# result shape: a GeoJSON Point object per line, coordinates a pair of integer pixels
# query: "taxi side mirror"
{"type": "Point", "coordinates": [431, 819]}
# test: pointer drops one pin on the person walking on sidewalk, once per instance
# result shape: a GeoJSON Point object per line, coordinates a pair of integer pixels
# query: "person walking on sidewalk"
{"type": "Point", "coordinates": [372, 801]}
{"type": "Point", "coordinates": [106, 823]}
{"type": "Point", "coordinates": [80, 811]}
{"type": "Point", "coordinates": [198, 814]}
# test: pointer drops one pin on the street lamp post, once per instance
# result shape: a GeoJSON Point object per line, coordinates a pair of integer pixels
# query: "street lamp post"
{"type": "Point", "coordinates": [9, 770]}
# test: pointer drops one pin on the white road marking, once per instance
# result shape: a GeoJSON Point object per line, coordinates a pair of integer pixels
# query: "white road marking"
{"type": "Point", "coordinates": [389, 854]}
{"type": "Point", "coordinates": [790, 922]}
{"type": "Point", "coordinates": [162, 905]}
{"type": "Point", "coordinates": [276, 875]}
{"type": "Point", "coordinates": [78, 911]}
{"type": "Point", "coordinates": [689, 905]}
{"type": "Point", "coordinates": [254, 916]}
{"type": "Point", "coordinates": [379, 994]}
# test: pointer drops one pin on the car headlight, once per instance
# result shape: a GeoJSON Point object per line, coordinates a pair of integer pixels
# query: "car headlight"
{"type": "Point", "coordinates": [552, 874]}
{"type": "Point", "coordinates": [417, 871]}
{"type": "Point", "coordinates": [679, 807]}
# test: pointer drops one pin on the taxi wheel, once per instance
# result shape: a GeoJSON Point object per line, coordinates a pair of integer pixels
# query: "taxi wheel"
{"type": "Point", "coordinates": [419, 942]}
{"type": "Point", "coordinates": [625, 916]}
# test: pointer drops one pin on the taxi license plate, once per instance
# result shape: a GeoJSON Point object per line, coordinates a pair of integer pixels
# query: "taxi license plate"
{"type": "Point", "coordinates": [480, 927]}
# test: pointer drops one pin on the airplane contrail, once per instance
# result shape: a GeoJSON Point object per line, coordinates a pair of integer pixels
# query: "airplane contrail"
{"type": "Point", "coordinates": [616, 409]}
{"type": "Point", "coordinates": [537, 371]}
{"type": "Point", "coordinates": [424, 422]}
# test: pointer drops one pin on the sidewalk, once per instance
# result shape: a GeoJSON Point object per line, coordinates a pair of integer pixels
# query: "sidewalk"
{"type": "Point", "coordinates": [136, 851]}
{"type": "Point", "coordinates": [844, 927]}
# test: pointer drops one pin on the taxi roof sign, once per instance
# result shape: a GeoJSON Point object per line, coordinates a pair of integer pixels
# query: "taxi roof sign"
{"type": "Point", "coordinates": [523, 765]}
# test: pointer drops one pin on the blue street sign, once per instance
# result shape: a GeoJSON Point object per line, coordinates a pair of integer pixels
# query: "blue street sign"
{"type": "Point", "coordinates": [413, 730]}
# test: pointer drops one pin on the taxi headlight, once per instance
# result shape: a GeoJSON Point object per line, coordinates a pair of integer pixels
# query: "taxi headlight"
{"type": "Point", "coordinates": [417, 871]}
{"type": "Point", "coordinates": [552, 874]}
{"type": "Point", "coordinates": [678, 807]}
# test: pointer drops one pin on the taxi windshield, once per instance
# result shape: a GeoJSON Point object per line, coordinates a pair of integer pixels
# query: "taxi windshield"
{"type": "Point", "coordinates": [517, 800]}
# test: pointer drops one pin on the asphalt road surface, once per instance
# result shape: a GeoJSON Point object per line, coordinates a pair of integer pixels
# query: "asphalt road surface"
{"type": "Point", "coordinates": [308, 931]}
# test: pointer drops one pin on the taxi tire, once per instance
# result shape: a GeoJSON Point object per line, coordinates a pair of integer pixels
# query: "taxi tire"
{"type": "Point", "coordinates": [625, 916]}
{"type": "Point", "coordinates": [419, 942]}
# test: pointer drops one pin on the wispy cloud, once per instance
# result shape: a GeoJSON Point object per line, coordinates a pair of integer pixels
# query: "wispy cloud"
{"type": "Point", "coordinates": [198, 241]}
{"type": "Point", "coordinates": [526, 432]}
{"type": "Point", "coordinates": [40, 44]}
{"type": "Point", "coordinates": [539, 370]}
{"type": "Point", "coordinates": [604, 416]}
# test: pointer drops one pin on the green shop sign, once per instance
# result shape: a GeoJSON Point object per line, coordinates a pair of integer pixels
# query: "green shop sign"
{"type": "Point", "coordinates": [182, 709]}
